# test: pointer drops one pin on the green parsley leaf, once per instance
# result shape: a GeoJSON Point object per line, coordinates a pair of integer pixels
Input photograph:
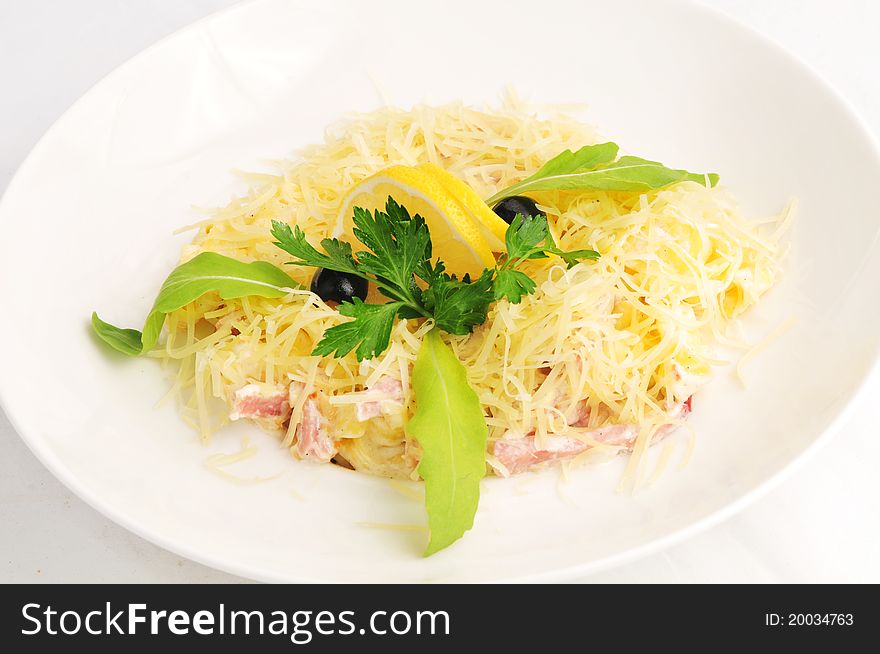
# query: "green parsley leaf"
{"type": "Point", "coordinates": [370, 330]}
{"type": "Point", "coordinates": [457, 305]}
{"type": "Point", "coordinates": [398, 261]}
{"type": "Point", "coordinates": [573, 257]}
{"type": "Point", "coordinates": [513, 285]}
{"type": "Point", "coordinates": [338, 255]}
{"type": "Point", "coordinates": [529, 237]}
{"type": "Point", "coordinates": [399, 245]}
{"type": "Point", "coordinates": [524, 236]}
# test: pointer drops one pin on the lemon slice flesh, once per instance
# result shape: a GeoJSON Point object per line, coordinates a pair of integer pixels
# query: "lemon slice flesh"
{"type": "Point", "coordinates": [490, 223]}
{"type": "Point", "coordinates": [457, 239]}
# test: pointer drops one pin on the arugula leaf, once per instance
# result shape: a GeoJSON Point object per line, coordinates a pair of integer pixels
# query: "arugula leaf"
{"type": "Point", "coordinates": [567, 161]}
{"type": "Point", "coordinates": [370, 330]}
{"type": "Point", "coordinates": [450, 428]}
{"type": "Point", "coordinates": [564, 163]}
{"type": "Point", "coordinates": [204, 273]}
{"type": "Point", "coordinates": [632, 174]}
{"type": "Point", "coordinates": [594, 167]}
{"type": "Point", "coordinates": [127, 341]}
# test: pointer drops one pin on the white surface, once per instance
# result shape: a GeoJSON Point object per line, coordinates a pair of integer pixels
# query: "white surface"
{"type": "Point", "coordinates": [820, 525]}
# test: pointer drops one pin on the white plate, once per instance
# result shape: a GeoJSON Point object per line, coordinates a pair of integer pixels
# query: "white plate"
{"type": "Point", "coordinates": [86, 224]}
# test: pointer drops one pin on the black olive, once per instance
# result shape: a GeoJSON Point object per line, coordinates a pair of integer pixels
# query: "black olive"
{"type": "Point", "coordinates": [334, 286]}
{"type": "Point", "coordinates": [509, 207]}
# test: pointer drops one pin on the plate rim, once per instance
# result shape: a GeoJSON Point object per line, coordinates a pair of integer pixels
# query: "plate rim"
{"type": "Point", "coordinates": [62, 473]}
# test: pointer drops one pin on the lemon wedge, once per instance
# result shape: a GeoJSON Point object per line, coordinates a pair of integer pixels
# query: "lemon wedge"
{"type": "Point", "coordinates": [489, 222]}
{"type": "Point", "coordinates": [457, 239]}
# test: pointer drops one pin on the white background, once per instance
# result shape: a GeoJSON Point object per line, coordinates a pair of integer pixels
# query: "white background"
{"type": "Point", "coordinates": [821, 524]}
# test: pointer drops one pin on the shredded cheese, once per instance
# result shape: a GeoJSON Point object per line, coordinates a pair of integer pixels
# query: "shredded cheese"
{"type": "Point", "coordinates": [216, 463]}
{"type": "Point", "coordinates": [622, 340]}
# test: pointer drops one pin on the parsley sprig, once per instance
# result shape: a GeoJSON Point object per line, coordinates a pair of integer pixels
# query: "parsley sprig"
{"type": "Point", "coordinates": [528, 237]}
{"type": "Point", "coordinates": [398, 260]}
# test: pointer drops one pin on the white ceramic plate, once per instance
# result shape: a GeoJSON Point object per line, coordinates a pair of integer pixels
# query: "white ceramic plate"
{"type": "Point", "coordinates": [86, 224]}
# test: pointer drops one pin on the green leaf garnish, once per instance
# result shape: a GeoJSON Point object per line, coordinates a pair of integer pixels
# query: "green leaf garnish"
{"type": "Point", "coordinates": [596, 167]}
{"type": "Point", "coordinates": [127, 341]}
{"type": "Point", "coordinates": [587, 157]}
{"type": "Point", "coordinates": [398, 261]}
{"type": "Point", "coordinates": [448, 423]}
{"type": "Point", "coordinates": [513, 285]}
{"type": "Point", "coordinates": [524, 237]}
{"type": "Point", "coordinates": [572, 257]}
{"type": "Point", "coordinates": [370, 330]}
{"type": "Point", "coordinates": [450, 428]}
{"type": "Point", "coordinates": [528, 237]}
{"type": "Point", "coordinates": [204, 273]}
{"type": "Point", "coordinates": [293, 241]}
{"type": "Point", "coordinates": [458, 306]}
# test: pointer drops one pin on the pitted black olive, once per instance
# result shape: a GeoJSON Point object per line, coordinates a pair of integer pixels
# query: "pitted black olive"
{"type": "Point", "coordinates": [332, 286]}
{"type": "Point", "coordinates": [509, 207]}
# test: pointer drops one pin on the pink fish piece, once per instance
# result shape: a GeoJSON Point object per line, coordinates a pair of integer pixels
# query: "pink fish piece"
{"type": "Point", "coordinates": [265, 402]}
{"type": "Point", "coordinates": [389, 397]}
{"type": "Point", "coordinates": [519, 454]}
{"type": "Point", "coordinates": [312, 440]}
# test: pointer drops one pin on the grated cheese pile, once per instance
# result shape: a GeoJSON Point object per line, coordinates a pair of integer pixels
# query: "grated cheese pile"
{"type": "Point", "coordinates": [619, 341]}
